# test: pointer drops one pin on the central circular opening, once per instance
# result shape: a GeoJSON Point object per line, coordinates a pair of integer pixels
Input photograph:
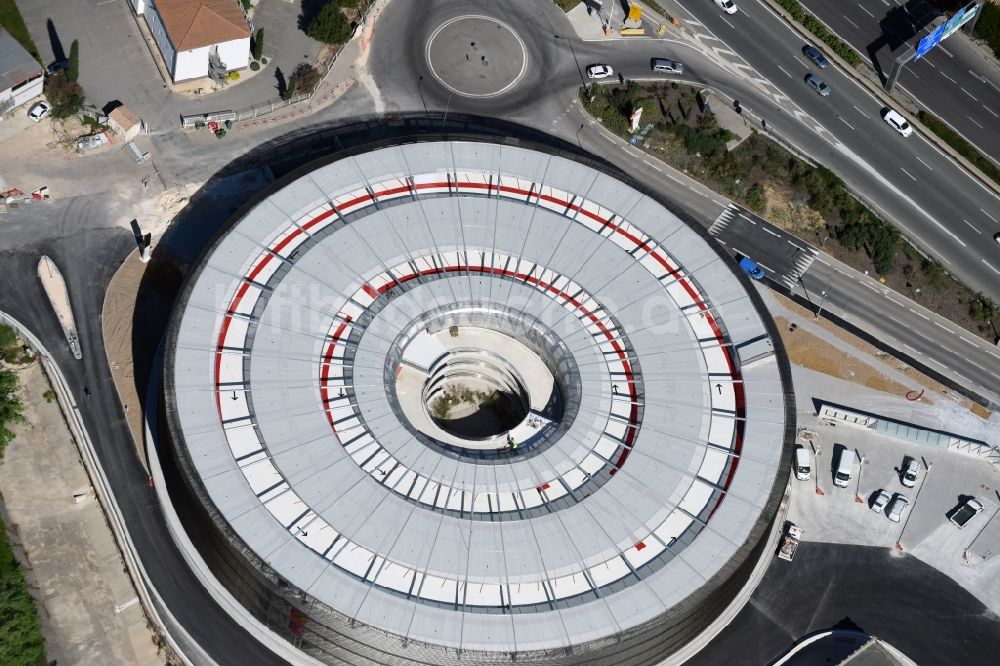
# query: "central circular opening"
{"type": "Point", "coordinates": [476, 56]}
{"type": "Point", "coordinates": [475, 394]}
{"type": "Point", "coordinates": [482, 382]}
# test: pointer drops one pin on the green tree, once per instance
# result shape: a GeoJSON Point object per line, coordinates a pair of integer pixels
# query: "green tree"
{"type": "Point", "coordinates": [66, 96]}
{"type": "Point", "coordinates": [73, 68]}
{"type": "Point", "coordinates": [8, 338]}
{"type": "Point", "coordinates": [330, 25]}
{"type": "Point", "coordinates": [11, 408]}
{"type": "Point", "coordinates": [258, 44]}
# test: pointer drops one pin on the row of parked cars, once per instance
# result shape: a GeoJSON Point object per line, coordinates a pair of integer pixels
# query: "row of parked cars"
{"type": "Point", "coordinates": [658, 65]}
{"type": "Point", "coordinates": [892, 505]}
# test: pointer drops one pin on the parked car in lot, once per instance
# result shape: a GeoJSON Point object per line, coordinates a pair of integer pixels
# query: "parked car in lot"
{"type": "Point", "coordinates": [39, 111]}
{"type": "Point", "coordinates": [803, 463]}
{"type": "Point", "coordinates": [845, 467]}
{"type": "Point", "coordinates": [881, 499]}
{"type": "Point", "coordinates": [818, 84]}
{"type": "Point", "coordinates": [970, 508]}
{"type": "Point", "coordinates": [751, 268]}
{"type": "Point", "coordinates": [727, 6]}
{"type": "Point", "coordinates": [599, 71]}
{"type": "Point", "coordinates": [897, 122]}
{"type": "Point", "coordinates": [816, 56]}
{"type": "Point", "coordinates": [666, 66]}
{"type": "Point", "coordinates": [909, 472]}
{"type": "Point", "coordinates": [897, 507]}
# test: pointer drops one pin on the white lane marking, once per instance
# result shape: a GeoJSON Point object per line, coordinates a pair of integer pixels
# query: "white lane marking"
{"type": "Point", "coordinates": [856, 26]}
{"type": "Point", "coordinates": [995, 375]}
{"type": "Point", "coordinates": [924, 163]}
{"type": "Point", "coordinates": [872, 287]}
{"type": "Point", "coordinates": [919, 314]}
{"type": "Point", "coordinates": [917, 351]}
{"type": "Point", "coordinates": [989, 216]}
{"type": "Point", "coordinates": [924, 336]}
{"type": "Point", "coordinates": [948, 77]}
{"type": "Point", "coordinates": [750, 220]}
{"type": "Point", "coordinates": [942, 326]}
{"type": "Point", "coordinates": [719, 203]}
{"type": "Point", "coordinates": [900, 304]}
{"type": "Point", "coordinates": [992, 268]}
{"type": "Point", "coordinates": [609, 139]}
{"type": "Point", "coordinates": [972, 227]}
{"type": "Point", "coordinates": [991, 111]}
{"type": "Point", "coordinates": [946, 51]}
{"type": "Point", "coordinates": [865, 10]}
{"type": "Point", "coordinates": [906, 172]}
{"type": "Point", "coordinates": [674, 178]}
{"type": "Point", "coordinates": [862, 112]}
{"type": "Point", "coordinates": [786, 73]}
{"type": "Point", "coordinates": [969, 94]}
{"type": "Point", "coordinates": [648, 163]}
{"type": "Point", "coordinates": [801, 62]}
{"type": "Point", "coordinates": [962, 377]}
{"type": "Point", "coordinates": [930, 63]}
{"type": "Point", "coordinates": [771, 232]}
{"type": "Point", "coordinates": [975, 364]}
{"type": "Point", "coordinates": [968, 342]}
{"type": "Point", "coordinates": [734, 28]}
{"type": "Point", "coordinates": [845, 122]}
{"type": "Point", "coordinates": [820, 260]}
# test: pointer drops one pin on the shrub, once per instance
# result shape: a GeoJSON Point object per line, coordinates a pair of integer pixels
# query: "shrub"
{"type": "Point", "coordinates": [73, 68]}
{"type": "Point", "coordinates": [21, 640]}
{"type": "Point", "coordinates": [66, 96]}
{"type": "Point", "coordinates": [988, 27]}
{"type": "Point", "coordinates": [11, 408]}
{"type": "Point", "coordinates": [258, 44]}
{"type": "Point", "coordinates": [813, 25]}
{"type": "Point", "coordinates": [233, 76]}
{"type": "Point", "coordinates": [347, 4]}
{"type": "Point", "coordinates": [330, 25]}
{"type": "Point", "coordinates": [8, 338]}
{"type": "Point", "coordinates": [254, 66]}
{"type": "Point", "coordinates": [304, 79]}
{"type": "Point", "coordinates": [49, 396]}
{"type": "Point", "coordinates": [756, 198]}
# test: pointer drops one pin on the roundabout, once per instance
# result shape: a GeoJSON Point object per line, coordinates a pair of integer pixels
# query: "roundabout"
{"type": "Point", "coordinates": [462, 401]}
{"type": "Point", "coordinates": [476, 56]}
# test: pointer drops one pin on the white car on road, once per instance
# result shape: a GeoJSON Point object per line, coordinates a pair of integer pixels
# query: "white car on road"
{"type": "Point", "coordinates": [599, 71]}
{"type": "Point", "coordinates": [897, 122]}
{"type": "Point", "coordinates": [727, 6]}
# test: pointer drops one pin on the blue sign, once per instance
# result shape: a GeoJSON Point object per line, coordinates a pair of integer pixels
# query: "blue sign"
{"type": "Point", "coordinates": [930, 41]}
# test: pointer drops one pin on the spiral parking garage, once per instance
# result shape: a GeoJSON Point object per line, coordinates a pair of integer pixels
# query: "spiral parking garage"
{"type": "Point", "coordinates": [466, 402]}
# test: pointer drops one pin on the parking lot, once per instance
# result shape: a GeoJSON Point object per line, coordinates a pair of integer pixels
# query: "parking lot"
{"type": "Point", "coordinates": [969, 555]}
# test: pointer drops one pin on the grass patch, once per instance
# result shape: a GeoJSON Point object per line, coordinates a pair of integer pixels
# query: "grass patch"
{"type": "Point", "coordinates": [13, 22]}
{"type": "Point", "coordinates": [963, 147]}
{"type": "Point", "coordinates": [816, 27]}
{"type": "Point", "coordinates": [567, 5]}
{"type": "Point", "coordinates": [811, 202]}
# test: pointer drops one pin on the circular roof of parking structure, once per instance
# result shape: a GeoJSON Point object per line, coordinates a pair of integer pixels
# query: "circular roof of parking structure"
{"type": "Point", "coordinates": [637, 469]}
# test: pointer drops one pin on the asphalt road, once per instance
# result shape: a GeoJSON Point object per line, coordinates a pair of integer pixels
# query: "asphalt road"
{"type": "Point", "coordinates": [894, 597]}
{"type": "Point", "coordinates": [934, 202]}
{"type": "Point", "coordinates": [87, 261]}
{"type": "Point", "coordinates": [956, 81]}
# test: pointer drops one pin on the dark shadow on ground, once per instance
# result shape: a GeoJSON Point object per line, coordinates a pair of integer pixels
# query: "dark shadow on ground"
{"type": "Point", "coordinates": [58, 53]}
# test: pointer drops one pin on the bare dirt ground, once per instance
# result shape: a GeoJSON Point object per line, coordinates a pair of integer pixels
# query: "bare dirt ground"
{"type": "Point", "coordinates": [808, 350]}
{"type": "Point", "coordinates": [86, 603]}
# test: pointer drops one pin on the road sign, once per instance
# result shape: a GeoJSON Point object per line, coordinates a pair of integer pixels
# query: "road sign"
{"type": "Point", "coordinates": [943, 31]}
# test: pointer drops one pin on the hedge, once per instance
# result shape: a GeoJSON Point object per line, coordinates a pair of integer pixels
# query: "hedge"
{"type": "Point", "coordinates": [988, 26]}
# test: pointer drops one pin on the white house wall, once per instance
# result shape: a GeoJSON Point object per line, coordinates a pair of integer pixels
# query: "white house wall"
{"type": "Point", "coordinates": [139, 6]}
{"type": "Point", "coordinates": [191, 64]}
{"type": "Point", "coordinates": [236, 53]}
{"type": "Point", "coordinates": [22, 94]}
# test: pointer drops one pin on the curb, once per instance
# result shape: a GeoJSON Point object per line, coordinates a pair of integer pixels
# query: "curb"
{"type": "Point", "coordinates": [147, 594]}
{"type": "Point", "coordinates": [882, 96]}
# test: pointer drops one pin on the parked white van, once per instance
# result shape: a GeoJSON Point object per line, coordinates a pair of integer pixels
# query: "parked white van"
{"type": "Point", "coordinates": [803, 463]}
{"type": "Point", "coordinates": [845, 467]}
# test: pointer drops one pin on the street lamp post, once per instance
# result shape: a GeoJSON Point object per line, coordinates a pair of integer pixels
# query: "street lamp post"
{"type": "Point", "coordinates": [819, 491]}
{"type": "Point", "coordinates": [821, 301]}
{"type": "Point", "coordinates": [899, 541]}
{"type": "Point", "coordinates": [857, 492]}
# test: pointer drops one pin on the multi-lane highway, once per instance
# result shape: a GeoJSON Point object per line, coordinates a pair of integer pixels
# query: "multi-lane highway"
{"type": "Point", "coordinates": [956, 81]}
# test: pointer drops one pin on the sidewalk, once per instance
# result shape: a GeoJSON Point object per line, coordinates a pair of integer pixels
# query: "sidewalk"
{"type": "Point", "coordinates": [87, 605]}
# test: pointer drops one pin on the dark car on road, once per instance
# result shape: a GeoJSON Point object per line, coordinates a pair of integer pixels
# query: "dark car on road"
{"type": "Point", "coordinates": [816, 56]}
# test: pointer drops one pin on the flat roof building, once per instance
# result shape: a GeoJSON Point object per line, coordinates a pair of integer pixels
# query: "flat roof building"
{"type": "Point", "coordinates": [21, 76]}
